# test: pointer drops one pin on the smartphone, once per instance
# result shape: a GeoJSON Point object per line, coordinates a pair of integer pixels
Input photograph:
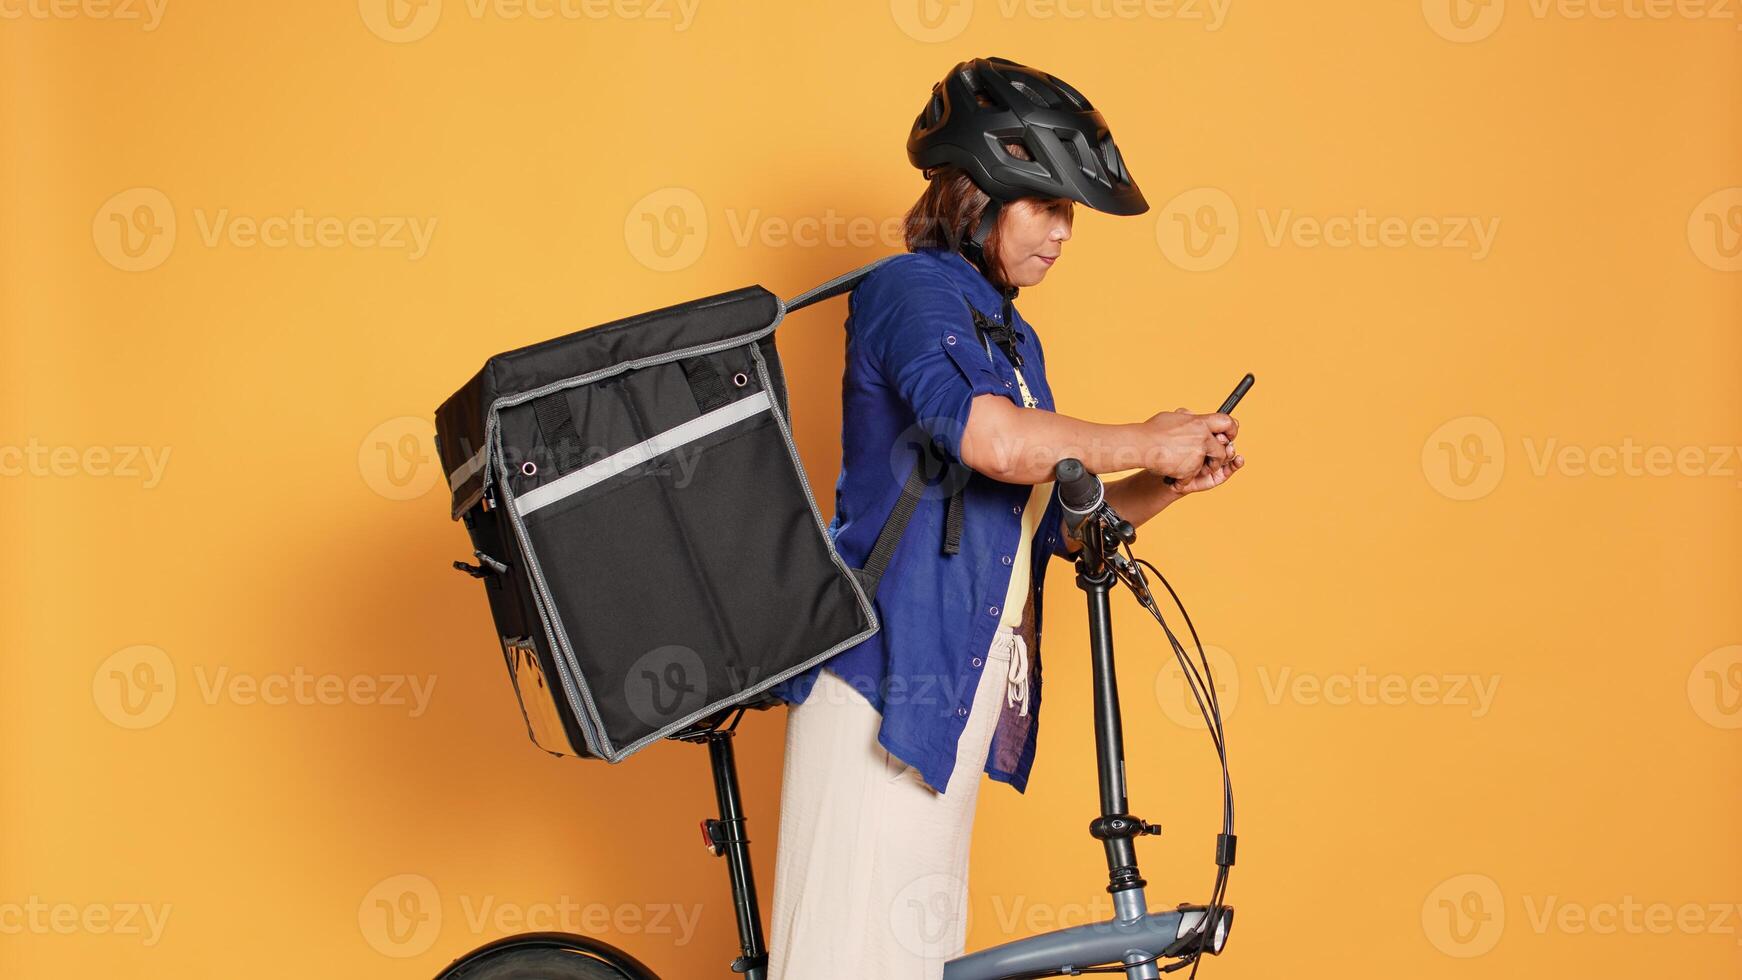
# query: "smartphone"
{"type": "Point", "coordinates": [1233, 399]}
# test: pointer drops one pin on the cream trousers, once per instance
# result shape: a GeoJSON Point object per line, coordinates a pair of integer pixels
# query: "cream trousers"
{"type": "Point", "coordinates": [871, 868]}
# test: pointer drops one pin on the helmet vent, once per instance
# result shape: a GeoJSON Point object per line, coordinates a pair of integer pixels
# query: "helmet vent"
{"type": "Point", "coordinates": [1115, 163]}
{"type": "Point", "coordinates": [1034, 96]}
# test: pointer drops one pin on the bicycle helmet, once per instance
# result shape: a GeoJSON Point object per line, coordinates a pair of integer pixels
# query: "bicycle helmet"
{"type": "Point", "coordinates": [984, 106]}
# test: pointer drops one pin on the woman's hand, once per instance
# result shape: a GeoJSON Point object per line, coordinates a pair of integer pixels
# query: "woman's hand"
{"type": "Point", "coordinates": [1183, 445]}
{"type": "Point", "coordinates": [1210, 476]}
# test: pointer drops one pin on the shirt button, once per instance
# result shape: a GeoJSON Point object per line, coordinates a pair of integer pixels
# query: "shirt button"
{"type": "Point", "coordinates": [1006, 384]}
{"type": "Point", "coordinates": [961, 712]}
{"type": "Point", "coordinates": [992, 610]}
{"type": "Point", "coordinates": [950, 339]}
{"type": "Point", "coordinates": [976, 661]}
{"type": "Point", "coordinates": [1006, 559]}
{"type": "Point", "coordinates": [1016, 509]}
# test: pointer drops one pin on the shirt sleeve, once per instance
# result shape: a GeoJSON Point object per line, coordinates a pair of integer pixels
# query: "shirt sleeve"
{"type": "Point", "coordinates": [914, 325]}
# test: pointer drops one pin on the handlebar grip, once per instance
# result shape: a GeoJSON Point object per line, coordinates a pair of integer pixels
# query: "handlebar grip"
{"type": "Point", "coordinates": [1080, 492]}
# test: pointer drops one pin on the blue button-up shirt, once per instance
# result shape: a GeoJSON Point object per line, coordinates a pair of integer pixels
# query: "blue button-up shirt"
{"type": "Point", "coordinates": [914, 366]}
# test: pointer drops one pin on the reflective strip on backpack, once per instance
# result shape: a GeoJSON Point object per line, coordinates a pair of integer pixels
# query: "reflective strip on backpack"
{"type": "Point", "coordinates": [641, 452]}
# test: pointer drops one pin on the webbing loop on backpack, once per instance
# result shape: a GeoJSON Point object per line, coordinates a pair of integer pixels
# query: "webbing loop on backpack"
{"type": "Point", "coordinates": [557, 426]}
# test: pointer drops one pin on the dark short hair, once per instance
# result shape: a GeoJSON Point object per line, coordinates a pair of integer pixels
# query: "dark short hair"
{"type": "Point", "coordinates": [950, 208]}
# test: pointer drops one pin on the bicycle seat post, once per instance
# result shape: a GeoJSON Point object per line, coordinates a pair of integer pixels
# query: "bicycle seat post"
{"type": "Point", "coordinates": [726, 837]}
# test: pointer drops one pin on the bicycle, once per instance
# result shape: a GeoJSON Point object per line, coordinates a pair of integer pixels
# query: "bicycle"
{"type": "Point", "coordinates": [1134, 941]}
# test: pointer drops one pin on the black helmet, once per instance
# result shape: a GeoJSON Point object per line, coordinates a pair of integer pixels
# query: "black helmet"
{"type": "Point", "coordinates": [983, 106]}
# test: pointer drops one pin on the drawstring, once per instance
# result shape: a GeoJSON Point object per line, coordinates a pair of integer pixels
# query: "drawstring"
{"type": "Point", "coordinates": [1017, 691]}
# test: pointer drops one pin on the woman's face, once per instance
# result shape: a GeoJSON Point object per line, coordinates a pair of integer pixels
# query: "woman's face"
{"type": "Point", "coordinates": [1032, 232]}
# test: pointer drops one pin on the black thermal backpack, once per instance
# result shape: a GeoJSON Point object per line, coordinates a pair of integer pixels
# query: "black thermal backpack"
{"type": "Point", "coordinates": [643, 526]}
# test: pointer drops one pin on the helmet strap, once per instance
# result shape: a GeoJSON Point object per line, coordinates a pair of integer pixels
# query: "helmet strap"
{"type": "Point", "coordinates": [974, 246]}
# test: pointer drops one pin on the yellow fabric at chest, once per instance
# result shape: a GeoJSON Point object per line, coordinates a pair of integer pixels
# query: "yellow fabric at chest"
{"type": "Point", "coordinates": [1016, 596]}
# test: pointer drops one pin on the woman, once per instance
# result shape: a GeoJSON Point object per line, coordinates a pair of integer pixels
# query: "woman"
{"type": "Point", "coordinates": [886, 741]}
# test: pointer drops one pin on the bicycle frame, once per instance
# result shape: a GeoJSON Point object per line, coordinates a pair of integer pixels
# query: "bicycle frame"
{"type": "Point", "coordinates": [1133, 936]}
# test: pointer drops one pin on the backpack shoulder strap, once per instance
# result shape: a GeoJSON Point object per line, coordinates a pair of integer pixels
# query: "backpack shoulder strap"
{"type": "Point", "coordinates": [834, 287]}
{"type": "Point", "coordinates": [928, 466]}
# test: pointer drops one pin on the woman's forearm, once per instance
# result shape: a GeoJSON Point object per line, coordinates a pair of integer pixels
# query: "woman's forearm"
{"type": "Point", "coordinates": [1022, 445]}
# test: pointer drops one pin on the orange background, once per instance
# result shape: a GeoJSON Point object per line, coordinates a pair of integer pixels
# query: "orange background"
{"type": "Point", "coordinates": [296, 525]}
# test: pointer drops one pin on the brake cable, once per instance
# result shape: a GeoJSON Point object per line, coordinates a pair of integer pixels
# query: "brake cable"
{"type": "Point", "coordinates": [1129, 569]}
